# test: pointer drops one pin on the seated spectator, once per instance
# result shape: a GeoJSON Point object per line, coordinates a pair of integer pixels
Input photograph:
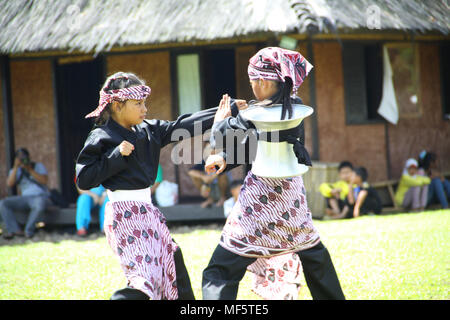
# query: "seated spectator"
{"type": "Point", "coordinates": [86, 202]}
{"type": "Point", "coordinates": [158, 180]}
{"type": "Point", "coordinates": [412, 191]}
{"type": "Point", "coordinates": [235, 188]}
{"type": "Point", "coordinates": [212, 187]}
{"type": "Point", "coordinates": [439, 188]}
{"type": "Point", "coordinates": [31, 179]}
{"type": "Point", "coordinates": [336, 193]}
{"type": "Point", "coordinates": [361, 198]}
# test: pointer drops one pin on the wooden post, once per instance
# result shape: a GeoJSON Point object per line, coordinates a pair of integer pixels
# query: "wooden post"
{"type": "Point", "coordinates": [313, 102]}
{"type": "Point", "coordinates": [388, 153]}
{"type": "Point", "coordinates": [59, 147]}
{"type": "Point", "coordinates": [8, 124]}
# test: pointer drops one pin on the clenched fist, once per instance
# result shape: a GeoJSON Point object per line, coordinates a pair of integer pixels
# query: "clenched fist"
{"type": "Point", "coordinates": [125, 148]}
{"type": "Point", "coordinates": [213, 161]}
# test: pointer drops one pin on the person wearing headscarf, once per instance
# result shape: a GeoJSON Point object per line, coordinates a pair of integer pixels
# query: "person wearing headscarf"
{"type": "Point", "coordinates": [271, 218]}
{"type": "Point", "coordinates": [412, 191]}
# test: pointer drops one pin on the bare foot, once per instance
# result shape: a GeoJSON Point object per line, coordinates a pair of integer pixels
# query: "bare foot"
{"type": "Point", "coordinates": [220, 202]}
{"type": "Point", "coordinates": [207, 203]}
{"type": "Point", "coordinates": [205, 191]}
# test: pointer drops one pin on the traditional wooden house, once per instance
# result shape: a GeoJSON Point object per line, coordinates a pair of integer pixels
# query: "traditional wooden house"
{"type": "Point", "coordinates": [56, 55]}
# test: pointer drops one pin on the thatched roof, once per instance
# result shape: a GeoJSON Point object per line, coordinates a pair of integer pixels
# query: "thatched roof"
{"type": "Point", "coordinates": [98, 25]}
{"type": "Point", "coordinates": [406, 15]}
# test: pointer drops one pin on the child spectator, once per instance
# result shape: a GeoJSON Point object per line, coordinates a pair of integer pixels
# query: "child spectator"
{"type": "Point", "coordinates": [212, 187]}
{"type": "Point", "coordinates": [336, 193]}
{"type": "Point", "coordinates": [235, 188]}
{"type": "Point", "coordinates": [412, 191]}
{"type": "Point", "coordinates": [88, 200]}
{"type": "Point", "coordinates": [361, 198]}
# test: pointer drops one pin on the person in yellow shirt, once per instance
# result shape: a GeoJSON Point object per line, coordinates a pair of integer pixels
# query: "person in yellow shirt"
{"type": "Point", "coordinates": [336, 193]}
{"type": "Point", "coordinates": [412, 191]}
{"type": "Point", "coordinates": [361, 198]}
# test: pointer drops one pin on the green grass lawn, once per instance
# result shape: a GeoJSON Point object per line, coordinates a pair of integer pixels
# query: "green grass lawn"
{"type": "Point", "coordinates": [402, 256]}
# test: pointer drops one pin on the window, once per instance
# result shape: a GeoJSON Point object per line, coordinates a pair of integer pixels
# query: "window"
{"type": "Point", "coordinates": [203, 77]}
{"type": "Point", "coordinates": [188, 77]}
{"type": "Point", "coordinates": [219, 75]}
{"type": "Point", "coordinates": [363, 81]}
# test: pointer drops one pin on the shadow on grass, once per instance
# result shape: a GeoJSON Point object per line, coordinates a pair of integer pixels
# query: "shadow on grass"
{"type": "Point", "coordinates": [56, 234]}
{"type": "Point", "coordinates": [52, 234]}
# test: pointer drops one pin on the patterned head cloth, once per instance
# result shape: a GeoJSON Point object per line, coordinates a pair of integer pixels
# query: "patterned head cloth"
{"type": "Point", "coordinates": [106, 97]}
{"type": "Point", "coordinates": [275, 63]}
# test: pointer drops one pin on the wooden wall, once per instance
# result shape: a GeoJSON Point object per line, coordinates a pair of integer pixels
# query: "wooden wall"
{"type": "Point", "coordinates": [304, 93]}
{"type": "Point", "coordinates": [3, 168]}
{"type": "Point", "coordinates": [365, 145]}
{"type": "Point", "coordinates": [429, 131]}
{"type": "Point", "coordinates": [33, 112]}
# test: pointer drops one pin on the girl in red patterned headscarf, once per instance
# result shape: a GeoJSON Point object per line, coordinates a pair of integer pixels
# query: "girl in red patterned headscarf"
{"type": "Point", "coordinates": [122, 153]}
{"type": "Point", "coordinates": [271, 219]}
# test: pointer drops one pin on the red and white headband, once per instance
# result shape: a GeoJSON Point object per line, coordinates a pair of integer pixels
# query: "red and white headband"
{"type": "Point", "coordinates": [136, 93]}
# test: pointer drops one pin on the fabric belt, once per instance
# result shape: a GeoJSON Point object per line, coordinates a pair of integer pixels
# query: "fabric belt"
{"type": "Point", "coordinates": [144, 195]}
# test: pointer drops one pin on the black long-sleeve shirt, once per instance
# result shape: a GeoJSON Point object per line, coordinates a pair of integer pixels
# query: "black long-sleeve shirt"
{"type": "Point", "coordinates": [100, 161]}
{"type": "Point", "coordinates": [235, 125]}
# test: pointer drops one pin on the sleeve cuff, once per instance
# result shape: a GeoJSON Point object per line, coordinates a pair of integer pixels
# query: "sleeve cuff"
{"type": "Point", "coordinates": [234, 109]}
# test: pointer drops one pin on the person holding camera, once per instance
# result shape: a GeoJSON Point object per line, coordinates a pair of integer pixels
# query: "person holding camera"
{"type": "Point", "coordinates": [31, 179]}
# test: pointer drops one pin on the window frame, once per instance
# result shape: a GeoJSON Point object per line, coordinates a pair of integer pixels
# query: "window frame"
{"type": "Point", "coordinates": [352, 117]}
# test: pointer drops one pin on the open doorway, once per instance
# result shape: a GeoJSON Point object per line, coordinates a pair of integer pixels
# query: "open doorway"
{"type": "Point", "coordinates": [77, 87]}
{"type": "Point", "coordinates": [219, 75]}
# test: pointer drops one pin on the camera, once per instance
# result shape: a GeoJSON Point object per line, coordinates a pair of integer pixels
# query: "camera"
{"type": "Point", "coordinates": [25, 161]}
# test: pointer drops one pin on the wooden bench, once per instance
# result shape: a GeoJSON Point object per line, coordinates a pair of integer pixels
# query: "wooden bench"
{"type": "Point", "coordinates": [386, 190]}
{"type": "Point", "coordinates": [55, 216]}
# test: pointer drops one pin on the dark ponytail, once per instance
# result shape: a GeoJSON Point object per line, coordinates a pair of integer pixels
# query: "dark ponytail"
{"type": "Point", "coordinates": [118, 80]}
{"type": "Point", "coordinates": [286, 96]}
{"type": "Point", "coordinates": [283, 97]}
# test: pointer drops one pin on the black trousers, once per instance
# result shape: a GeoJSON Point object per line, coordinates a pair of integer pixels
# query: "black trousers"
{"type": "Point", "coordinates": [183, 284]}
{"type": "Point", "coordinates": [226, 269]}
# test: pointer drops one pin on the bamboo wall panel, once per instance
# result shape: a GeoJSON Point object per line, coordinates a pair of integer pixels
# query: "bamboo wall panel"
{"type": "Point", "coordinates": [320, 172]}
{"type": "Point", "coordinates": [430, 131]}
{"type": "Point", "coordinates": [363, 145]}
{"type": "Point", "coordinates": [33, 112]}
{"type": "Point", "coordinates": [3, 168]}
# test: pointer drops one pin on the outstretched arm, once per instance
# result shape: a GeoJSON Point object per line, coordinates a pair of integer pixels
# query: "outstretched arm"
{"type": "Point", "coordinates": [194, 123]}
